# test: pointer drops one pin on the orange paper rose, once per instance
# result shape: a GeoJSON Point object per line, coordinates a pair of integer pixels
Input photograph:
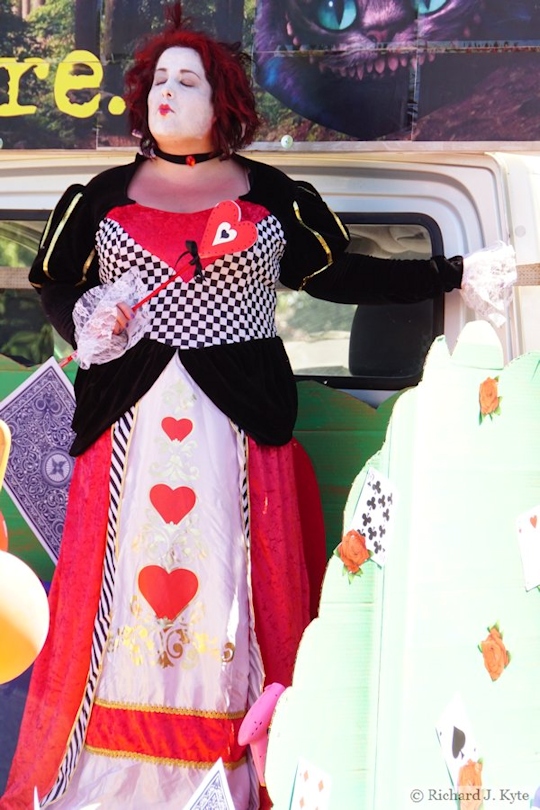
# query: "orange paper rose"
{"type": "Point", "coordinates": [352, 551]}
{"type": "Point", "coordinates": [496, 656]}
{"type": "Point", "coordinates": [470, 789]}
{"type": "Point", "coordinates": [488, 396]}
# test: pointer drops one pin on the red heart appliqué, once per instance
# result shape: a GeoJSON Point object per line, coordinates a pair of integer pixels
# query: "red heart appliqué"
{"type": "Point", "coordinates": [534, 521]}
{"type": "Point", "coordinates": [177, 428]}
{"type": "Point", "coordinates": [167, 592]}
{"type": "Point", "coordinates": [172, 504]}
{"type": "Point", "coordinates": [225, 232]}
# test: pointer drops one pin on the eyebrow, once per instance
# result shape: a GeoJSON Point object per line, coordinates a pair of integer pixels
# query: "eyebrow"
{"type": "Point", "coordinates": [182, 70]}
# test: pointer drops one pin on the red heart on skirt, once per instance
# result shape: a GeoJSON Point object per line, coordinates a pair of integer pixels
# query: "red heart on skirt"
{"type": "Point", "coordinates": [172, 504]}
{"type": "Point", "coordinates": [167, 592]}
{"type": "Point", "coordinates": [225, 233]}
{"type": "Point", "coordinates": [177, 428]}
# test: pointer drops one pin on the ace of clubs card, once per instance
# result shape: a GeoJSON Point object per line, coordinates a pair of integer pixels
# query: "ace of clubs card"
{"type": "Point", "coordinates": [373, 516]}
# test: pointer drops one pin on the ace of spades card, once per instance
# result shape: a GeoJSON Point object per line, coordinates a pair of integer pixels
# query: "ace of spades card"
{"type": "Point", "coordinates": [455, 735]}
{"type": "Point", "coordinates": [374, 515]}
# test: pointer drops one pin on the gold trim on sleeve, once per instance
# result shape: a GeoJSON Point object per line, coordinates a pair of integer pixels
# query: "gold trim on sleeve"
{"type": "Point", "coordinates": [57, 233]}
{"type": "Point", "coordinates": [321, 240]}
{"type": "Point", "coordinates": [312, 275]}
{"type": "Point", "coordinates": [86, 265]}
{"type": "Point", "coordinates": [46, 229]}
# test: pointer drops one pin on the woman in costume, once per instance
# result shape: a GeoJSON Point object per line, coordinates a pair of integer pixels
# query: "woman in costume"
{"type": "Point", "coordinates": [185, 577]}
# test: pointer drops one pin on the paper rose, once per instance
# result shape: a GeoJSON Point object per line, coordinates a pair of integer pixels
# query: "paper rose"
{"type": "Point", "coordinates": [352, 552]}
{"type": "Point", "coordinates": [470, 791]}
{"type": "Point", "coordinates": [496, 656]}
{"type": "Point", "coordinates": [489, 399]}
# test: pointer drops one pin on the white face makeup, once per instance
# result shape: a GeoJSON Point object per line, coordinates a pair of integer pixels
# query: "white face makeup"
{"type": "Point", "coordinates": [180, 110]}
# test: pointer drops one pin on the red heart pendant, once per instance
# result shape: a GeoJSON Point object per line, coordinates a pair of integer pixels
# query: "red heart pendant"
{"type": "Point", "coordinates": [167, 592]}
{"type": "Point", "coordinates": [225, 233]}
{"type": "Point", "coordinates": [177, 428]}
{"type": "Point", "coordinates": [172, 504]}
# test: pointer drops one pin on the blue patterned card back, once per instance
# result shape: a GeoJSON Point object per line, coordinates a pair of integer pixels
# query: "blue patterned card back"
{"type": "Point", "coordinates": [39, 414]}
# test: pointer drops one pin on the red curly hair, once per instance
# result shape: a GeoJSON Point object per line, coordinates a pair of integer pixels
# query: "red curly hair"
{"type": "Point", "coordinates": [226, 68]}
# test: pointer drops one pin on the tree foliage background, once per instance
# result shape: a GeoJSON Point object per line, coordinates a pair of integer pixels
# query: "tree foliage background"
{"type": "Point", "coordinates": [111, 29]}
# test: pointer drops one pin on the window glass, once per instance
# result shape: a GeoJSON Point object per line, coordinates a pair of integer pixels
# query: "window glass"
{"type": "Point", "coordinates": [376, 346]}
{"type": "Point", "coordinates": [25, 334]}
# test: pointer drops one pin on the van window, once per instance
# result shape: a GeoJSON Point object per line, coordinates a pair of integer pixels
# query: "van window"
{"type": "Point", "coordinates": [25, 335]}
{"type": "Point", "coordinates": [370, 347]}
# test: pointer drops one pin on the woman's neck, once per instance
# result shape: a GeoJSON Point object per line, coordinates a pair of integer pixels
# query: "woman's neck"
{"type": "Point", "coordinates": [188, 159]}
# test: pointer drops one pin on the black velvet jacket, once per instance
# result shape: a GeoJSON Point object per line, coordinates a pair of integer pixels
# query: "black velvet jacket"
{"type": "Point", "coordinates": [250, 382]}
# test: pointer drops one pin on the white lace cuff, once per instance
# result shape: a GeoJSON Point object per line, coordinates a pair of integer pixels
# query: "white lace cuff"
{"type": "Point", "coordinates": [488, 278]}
{"type": "Point", "coordinates": [95, 316]}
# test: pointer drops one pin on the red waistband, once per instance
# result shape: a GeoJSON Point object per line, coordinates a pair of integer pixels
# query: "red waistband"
{"type": "Point", "coordinates": [196, 739]}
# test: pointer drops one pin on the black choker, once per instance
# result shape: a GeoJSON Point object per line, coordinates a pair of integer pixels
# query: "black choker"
{"type": "Point", "coordinates": [185, 160]}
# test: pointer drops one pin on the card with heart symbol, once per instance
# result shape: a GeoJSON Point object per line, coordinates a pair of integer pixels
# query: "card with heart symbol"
{"type": "Point", "coordinates": [374, 515]}
{"type": "Point", "coordinates": [455, 735]}
{"type": "Point", "coordinates": [528, 534]}
{"type": "Point", "coordinates": [312, 787]}
{"type": "Point", "coordinates": [213, 793]}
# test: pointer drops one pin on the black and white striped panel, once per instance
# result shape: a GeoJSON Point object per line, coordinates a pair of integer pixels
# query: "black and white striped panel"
{"type": "Point", "coordinates": [256, 668]}
{"type": "Point", "coordinates": [121, 431]}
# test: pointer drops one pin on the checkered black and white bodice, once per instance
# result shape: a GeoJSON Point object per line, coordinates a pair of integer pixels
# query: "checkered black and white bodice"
{"type": "Point", "coordinates": [235, 300]}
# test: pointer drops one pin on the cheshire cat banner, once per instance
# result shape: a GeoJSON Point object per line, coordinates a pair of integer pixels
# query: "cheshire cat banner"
{"type": "Point", "coordinates": [324, 70]}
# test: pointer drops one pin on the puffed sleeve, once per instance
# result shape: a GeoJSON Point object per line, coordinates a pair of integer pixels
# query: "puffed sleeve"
{"type": "Point", "coordinates": [65, 264]}
{"type": "Point", "coordinates": [315, 236]}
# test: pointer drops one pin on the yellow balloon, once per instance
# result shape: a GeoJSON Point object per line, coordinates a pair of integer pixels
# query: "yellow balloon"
{"type": "Point", "coordinates": [24, 616]}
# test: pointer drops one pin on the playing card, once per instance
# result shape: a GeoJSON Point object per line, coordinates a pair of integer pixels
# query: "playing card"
{"type": "Point", "coordinates": [455, 735]}
{"type": "Point", "coordinates": [528, 532]}
{"type": "Point", "coordinates": [311, 787]}
{"type": "Point", "coordinates": [213, 793]}
{"type": "Point", "coordinates": [39, 414]}
{"type": "Point", "coordinates": [374, 514]}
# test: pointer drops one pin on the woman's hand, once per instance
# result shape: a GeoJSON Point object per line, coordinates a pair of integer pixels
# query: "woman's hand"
{"type": "Point", "coordinates": [124, 315]}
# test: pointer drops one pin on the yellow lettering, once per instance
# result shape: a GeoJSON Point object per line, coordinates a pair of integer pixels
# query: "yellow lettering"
{"type": "Point", "coordinates": [67, 80]}
{"type": "Point", "coordinates": [16, 71]}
